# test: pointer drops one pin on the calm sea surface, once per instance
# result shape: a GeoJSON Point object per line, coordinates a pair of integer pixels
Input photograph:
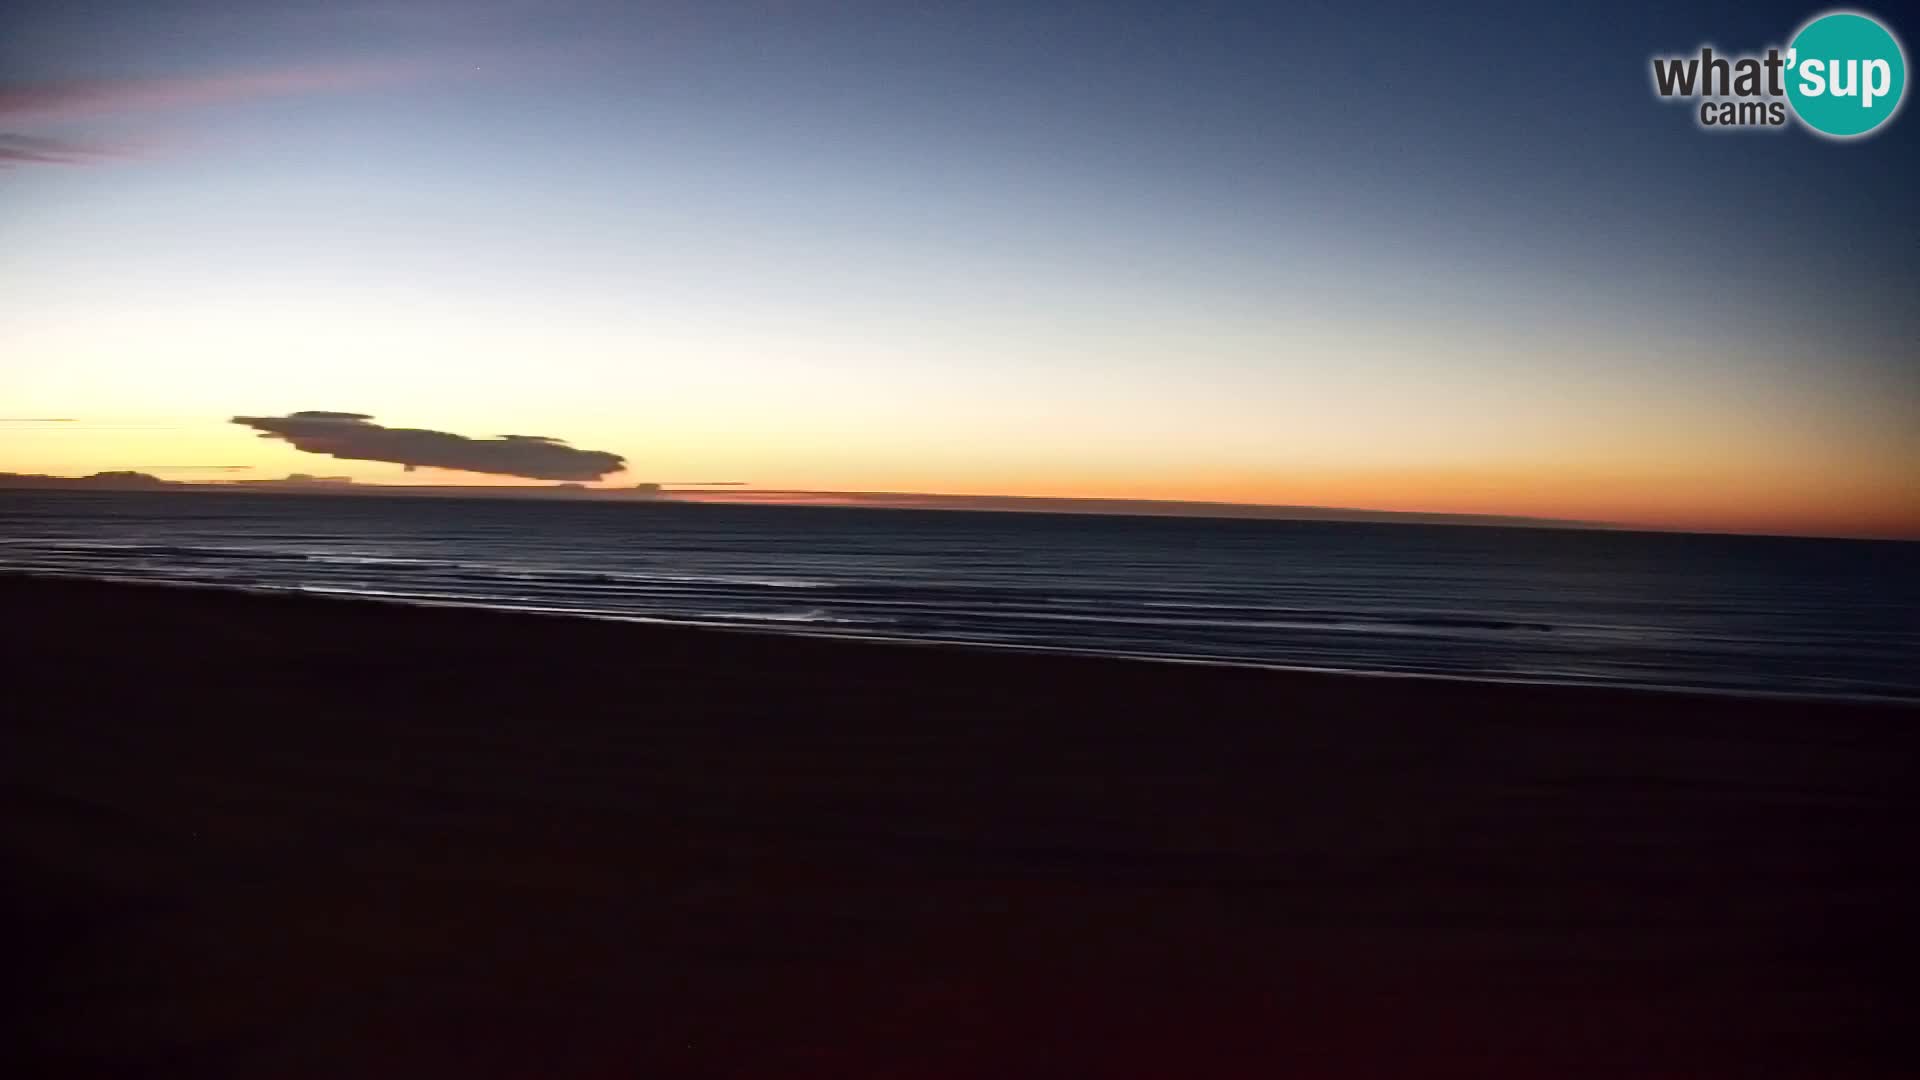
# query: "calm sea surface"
{"type": "Point", "coordinates": [1828, 617]}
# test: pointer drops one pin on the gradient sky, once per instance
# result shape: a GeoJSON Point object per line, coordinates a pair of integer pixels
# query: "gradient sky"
{"type": "Point", "coordinates": [1396, 256]}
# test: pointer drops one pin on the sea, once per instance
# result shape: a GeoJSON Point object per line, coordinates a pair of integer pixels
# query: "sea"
{"type": "Point", "coordinates": [1740, 614]}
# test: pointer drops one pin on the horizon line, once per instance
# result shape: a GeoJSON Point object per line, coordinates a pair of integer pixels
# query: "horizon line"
{"type": "Point", "coordinates": [1088, 506]}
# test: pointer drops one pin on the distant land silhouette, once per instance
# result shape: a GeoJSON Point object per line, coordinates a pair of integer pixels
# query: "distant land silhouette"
{"type": "Point", "coordinates": [730, 492]}
{"type": "Point", "coordinates": [112, 481]}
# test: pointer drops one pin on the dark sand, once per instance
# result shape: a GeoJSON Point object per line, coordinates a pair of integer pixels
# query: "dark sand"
{"type": "Point", "coordinates": [293, 837]}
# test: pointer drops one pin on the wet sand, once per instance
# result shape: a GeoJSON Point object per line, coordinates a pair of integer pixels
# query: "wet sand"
{"type": "Point", "coordinates": [298, 837]}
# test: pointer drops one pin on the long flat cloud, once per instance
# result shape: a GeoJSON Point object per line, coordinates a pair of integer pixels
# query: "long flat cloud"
{"type": "Point", "coordinates": [354, 437]}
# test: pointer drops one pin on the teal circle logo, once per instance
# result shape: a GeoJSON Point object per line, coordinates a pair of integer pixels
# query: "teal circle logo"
{"type": "Point", "coordinates": [1846, 74]}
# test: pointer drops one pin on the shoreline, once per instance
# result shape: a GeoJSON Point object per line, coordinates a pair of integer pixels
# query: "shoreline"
{"type": "Point", "coordinates": [724, 627]}
{"type": "Point", "coordinates": [248, 835]}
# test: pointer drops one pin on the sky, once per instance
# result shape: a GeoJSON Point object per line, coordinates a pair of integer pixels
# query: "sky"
{"type": "Point", "coordinates": [1445, 258]}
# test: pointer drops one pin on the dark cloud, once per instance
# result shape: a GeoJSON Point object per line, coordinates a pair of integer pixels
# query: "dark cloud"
{"type": "Point", "coordinates": [354, 437]}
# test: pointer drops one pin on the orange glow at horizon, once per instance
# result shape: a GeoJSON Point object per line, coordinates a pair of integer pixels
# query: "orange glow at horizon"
{"type": "Point", "coordinates": [1717, 492]}
{"type": "Point", "coordinates": [1702, 506]}
{"type": "Point", "coordinates": [1816, 499]}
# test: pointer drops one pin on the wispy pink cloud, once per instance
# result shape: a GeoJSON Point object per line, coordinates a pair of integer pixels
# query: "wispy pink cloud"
{"type": "Point", "coordinates": [16, 149]}
{"type": "Point", "coordinates": [79, 98]}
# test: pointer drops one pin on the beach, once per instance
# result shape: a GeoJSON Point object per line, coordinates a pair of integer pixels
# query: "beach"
{"type": "Point", "coordinates": [292, 836]}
